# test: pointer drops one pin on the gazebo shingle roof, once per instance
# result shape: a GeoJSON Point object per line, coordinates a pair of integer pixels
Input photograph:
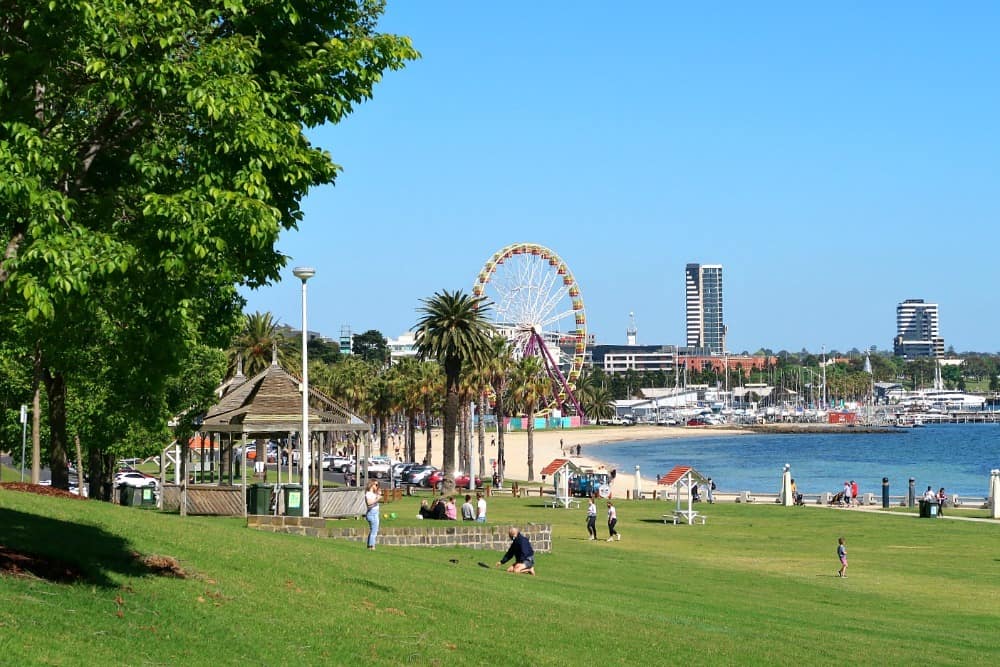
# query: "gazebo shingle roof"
{"type": "Point", "coordinates": [271, 402]}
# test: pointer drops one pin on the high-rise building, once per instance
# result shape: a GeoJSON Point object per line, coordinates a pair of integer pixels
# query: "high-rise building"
{"type": "Point", "coordinates": [917, 330]}
{"type": "Point", "coordinates": [706, 327]}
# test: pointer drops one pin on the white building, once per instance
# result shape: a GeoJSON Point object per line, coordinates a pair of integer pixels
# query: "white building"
{"type": "Point", "coordinates": [403, 347]}
{"type": "Point", "coordinates": [917, 330]}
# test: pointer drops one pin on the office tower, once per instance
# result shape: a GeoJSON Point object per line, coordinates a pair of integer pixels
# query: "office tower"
{"type": "Point", "coordinates": [706, 328]}
{"type": "Point", "coordinates": [917, 330]}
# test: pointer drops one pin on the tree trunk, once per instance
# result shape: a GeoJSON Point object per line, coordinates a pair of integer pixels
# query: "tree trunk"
{"type": "Point", "coordinates": [481, 429]}
{"type": "Point", "coordinates": [531, 445]}
{"type": "Point", "coordinates": [463, 438]}
{"type": "Point", "coordinates": [383, 435]}
{"type": "Point", "coordinates": [452, 367]}
{"type": "Point", "coordinates": [36, 420]}
{"type": "Point", "coordinates": [427, 430]}
{"type": "Point", "coordinates": [79, 466]}
{"type": "Point", "coordinates": [501, 462]}
{"type": "Point", "coordinates": [55, 388]}
{"type": "Point", "coordinates": [411, 436]}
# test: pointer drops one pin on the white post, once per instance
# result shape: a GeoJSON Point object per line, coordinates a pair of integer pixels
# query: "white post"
{"type": "Point", "coordinates": [786, 486]}
{"type": "Point", "coordinates": [995, 494]}
{"type": "Point", "coordinates": [637, 491]}
{"type": "Point", "coordinates": [304, 273]}
{"type": "Point", "coordinates": [24, 438]}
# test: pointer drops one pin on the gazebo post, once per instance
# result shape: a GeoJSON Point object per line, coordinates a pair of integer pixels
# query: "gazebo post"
{"type": "Point", "coordinates": [319, 476]}
{"type": "Point", "coordinates": [243, 469]}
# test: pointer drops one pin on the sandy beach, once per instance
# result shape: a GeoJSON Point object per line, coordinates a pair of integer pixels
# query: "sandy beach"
{"type": "Point", "coordinates": [550, 445]}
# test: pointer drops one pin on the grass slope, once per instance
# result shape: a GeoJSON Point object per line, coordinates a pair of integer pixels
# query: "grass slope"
{"type": "Point", "coordinates": [756, 585]}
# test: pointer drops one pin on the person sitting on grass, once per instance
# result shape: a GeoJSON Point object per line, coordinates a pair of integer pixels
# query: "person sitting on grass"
{"type": "Point", "coordinates": [522, 553]}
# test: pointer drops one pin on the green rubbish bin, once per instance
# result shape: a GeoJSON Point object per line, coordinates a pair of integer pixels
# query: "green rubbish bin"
{"type": "Point", "coordinates": [293, 499]}
{"type": "Point", "coordinates": [126, 496]}
{"type": "Point", "coordinates": [259, 499]}
{"type": "Point", "coordinates": [144, 497]}
{"type": "Point", "coordinates": [929, 509]}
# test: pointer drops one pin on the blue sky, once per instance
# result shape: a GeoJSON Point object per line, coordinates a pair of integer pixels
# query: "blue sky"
{"type": "Point", "coordinates": [835, 158]}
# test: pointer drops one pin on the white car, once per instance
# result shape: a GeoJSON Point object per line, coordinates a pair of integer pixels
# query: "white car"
{"type": "Point", "coordinates": [379, 467]}
{"type": "Point", "coordinates": [134, 478]}
{"type": "Point", "coordinates": [336, 463]}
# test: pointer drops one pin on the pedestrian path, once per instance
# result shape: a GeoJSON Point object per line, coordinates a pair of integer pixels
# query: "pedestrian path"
{"type": "Point", "coordinates": [879, 510]}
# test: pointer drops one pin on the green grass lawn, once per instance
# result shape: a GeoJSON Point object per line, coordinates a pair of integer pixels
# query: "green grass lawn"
{"type": "Point", "coordinates": [756, 585]}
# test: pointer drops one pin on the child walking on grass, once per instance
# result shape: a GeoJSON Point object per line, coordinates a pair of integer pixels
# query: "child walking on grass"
{"type": "Point", "coordinates": [842, 555]}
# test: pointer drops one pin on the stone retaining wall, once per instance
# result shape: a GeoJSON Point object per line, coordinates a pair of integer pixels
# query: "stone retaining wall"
{"type": "Point", "coordinates": [493, 538]}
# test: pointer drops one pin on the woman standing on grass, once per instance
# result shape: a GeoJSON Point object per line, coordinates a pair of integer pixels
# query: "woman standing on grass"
{"type": "Point", "coordinates": [592, 518]}
{"type": "Point", "coordinates": [612, 522]}
{"type": "Point", "coordinates": [371, 514]}
{"type": "Point", "coordinates": [842, 555]}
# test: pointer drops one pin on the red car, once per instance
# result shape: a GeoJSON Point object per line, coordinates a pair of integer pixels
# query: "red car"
{"type": "Point", "coordinates": [461, 480]}
{"type": "Point", "coordinates": [697, 421]}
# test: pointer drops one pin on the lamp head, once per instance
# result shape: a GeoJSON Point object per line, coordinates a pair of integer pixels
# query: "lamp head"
{"type": "Point", "coordinates": [303, 273]}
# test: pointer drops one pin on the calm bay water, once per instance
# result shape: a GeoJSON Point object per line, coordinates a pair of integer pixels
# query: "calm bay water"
{"type": "Point", "coordinates": [955, 456]}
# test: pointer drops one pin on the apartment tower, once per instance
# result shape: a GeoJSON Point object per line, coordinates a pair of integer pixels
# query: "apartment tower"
{"type": "Point", "coordinates": [706, 328]}
{"type": "Point", "coordinates": [917, 330]}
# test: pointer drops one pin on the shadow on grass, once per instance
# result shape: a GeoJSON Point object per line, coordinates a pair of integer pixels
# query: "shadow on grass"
{"type": "Point", "coordinates": [64, 552]}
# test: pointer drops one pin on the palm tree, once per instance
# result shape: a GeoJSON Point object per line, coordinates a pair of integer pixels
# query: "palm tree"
{"type": "Point", "coordinates": [599, 404]}
{"type": "Point", "coordinates": [530, 385]}
{"type": "Point", "coordinates": [497, 371]}
{"type": "Point", "coordinates": [254, 344]}
{"type": "Point", "coordinates": [430, 386]}
{"type": "Point", "coordinates": [407, 381]}
{"type": "Point", "coordinates": [454, 330]}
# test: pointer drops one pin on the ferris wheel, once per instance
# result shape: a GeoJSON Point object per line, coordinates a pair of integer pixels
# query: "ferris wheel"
{"type": "Point", "coordinates": [537, 306]}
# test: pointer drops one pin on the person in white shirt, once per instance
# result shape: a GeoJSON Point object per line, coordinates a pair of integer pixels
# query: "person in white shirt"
{"type": "Point", "coordinates": [612, 522]}
{"type": "Point", "coordinates": [592, 519]}
{"type": "Point", "coordinates": [372, 512]}
{"type": "Point", "coordinates": [480, 508]}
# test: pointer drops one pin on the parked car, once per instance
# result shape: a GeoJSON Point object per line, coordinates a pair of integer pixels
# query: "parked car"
{"type": "Point", "coordinates": [379, 467]}
{"type": "Point", "coordinates": [418, 474]}
{"type": "Point", "coordinates": [461, 480]}
{"type": "Point", "coordinates": [400, 469]}
{"type": "Point", "coordinates": [134, 478]}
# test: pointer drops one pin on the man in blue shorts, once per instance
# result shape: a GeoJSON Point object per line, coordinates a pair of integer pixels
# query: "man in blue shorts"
{"type": "Point", "coordinates": [522, 553]}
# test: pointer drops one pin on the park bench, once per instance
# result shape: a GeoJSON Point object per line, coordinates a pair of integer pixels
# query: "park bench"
{"type": "Point", "coordinates": [562, 502]}
{"type": "Point", "coordinates": [680, 516]}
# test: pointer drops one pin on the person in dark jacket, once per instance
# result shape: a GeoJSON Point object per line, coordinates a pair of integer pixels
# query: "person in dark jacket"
{"type": "Point", "coordinates": [522, 553]}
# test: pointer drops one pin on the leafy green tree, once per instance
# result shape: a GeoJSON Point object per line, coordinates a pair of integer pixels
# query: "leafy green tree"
{"type": "Point", "coordinates": [454, 330]}
{"type": "Point", "coordinates": [152, 154]}
{"type": "Point", "coordinates": [371, 346]}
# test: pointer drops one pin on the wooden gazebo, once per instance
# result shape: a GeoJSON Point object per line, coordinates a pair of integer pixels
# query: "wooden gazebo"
{"type": "Point", "coordinates": [268, 405]}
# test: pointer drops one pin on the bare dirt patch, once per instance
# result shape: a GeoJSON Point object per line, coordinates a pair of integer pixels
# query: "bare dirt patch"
{"type": "Point", "coordinates": [39, 490]}
{"type": "Point", "coordinates": [164, 566]}
{"type": "Point", "coordinates": [19, 564]}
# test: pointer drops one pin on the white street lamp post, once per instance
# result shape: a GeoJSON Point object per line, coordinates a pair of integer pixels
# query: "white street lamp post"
{"type": "Point", "coordinates": [24, 435]}
{"type": "Point", "coordinates": [304, 273]}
